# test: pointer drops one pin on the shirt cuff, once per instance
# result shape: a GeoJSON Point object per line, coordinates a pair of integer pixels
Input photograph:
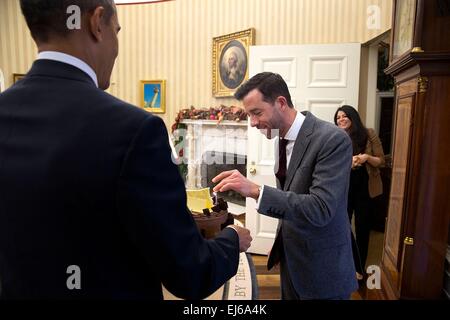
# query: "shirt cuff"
{"type": "Point", "coordinates": [261, 191]}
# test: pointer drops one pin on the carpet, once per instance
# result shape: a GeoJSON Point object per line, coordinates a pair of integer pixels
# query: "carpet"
{"type": "Point", "coordinates": [243, 286]}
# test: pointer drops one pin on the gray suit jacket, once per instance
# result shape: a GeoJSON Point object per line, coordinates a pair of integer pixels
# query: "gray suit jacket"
{"type": "Point", "coordinates": [314, 230]}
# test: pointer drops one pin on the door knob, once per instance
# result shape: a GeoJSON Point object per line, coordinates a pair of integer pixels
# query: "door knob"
{"type": "Point", "coordinates": [253, 171]}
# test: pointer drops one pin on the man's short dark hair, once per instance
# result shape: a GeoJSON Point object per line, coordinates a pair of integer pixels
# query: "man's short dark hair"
{"type": "Point", "coordinates": [271, 85]}
{"type": "Point", "coordinates": [46, 18]}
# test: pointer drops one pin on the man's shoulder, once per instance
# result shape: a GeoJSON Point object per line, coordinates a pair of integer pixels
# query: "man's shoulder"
{"type": "Point", "coordinates": [76, 94]}
{"type": "Point", "coordinates": [326, 128]}
{"type": "Point", "coordinates": [326, 131]}
{"type": "Point", "coordinates": [107, 102]}
{"type": "Point", "coordinates": [112, 99]}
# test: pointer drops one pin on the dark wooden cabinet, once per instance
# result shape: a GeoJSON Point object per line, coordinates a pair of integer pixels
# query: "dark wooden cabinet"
{"type": "Point", "coordinates": [417, 225]}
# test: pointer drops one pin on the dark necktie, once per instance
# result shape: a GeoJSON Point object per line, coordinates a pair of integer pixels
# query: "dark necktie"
{"type": "Point", "coordinates": [282, 162]}
{"type": "Point", "coordinates": [277, 249]}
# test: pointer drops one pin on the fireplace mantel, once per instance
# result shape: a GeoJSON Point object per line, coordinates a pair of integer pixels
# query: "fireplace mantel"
{"type": "Point", "coordinates": [209, 135]}
{"type": "Point", "coordinates": [215, 123]}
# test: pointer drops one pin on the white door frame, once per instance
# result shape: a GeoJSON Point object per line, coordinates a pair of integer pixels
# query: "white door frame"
{"type": "Point", "coordinates": [2, 81]}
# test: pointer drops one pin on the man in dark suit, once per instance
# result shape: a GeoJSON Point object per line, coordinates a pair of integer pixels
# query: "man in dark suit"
{"type": "Point", "coordinates": [91, 205]}
{"type": "Point", "coordinates": [313, 244]}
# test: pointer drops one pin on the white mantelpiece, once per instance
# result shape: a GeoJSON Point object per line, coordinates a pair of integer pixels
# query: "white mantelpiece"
{"type": "Point", "coordinates": [207, 135]}
{"type": "Point", "coordinates": [214, 123]}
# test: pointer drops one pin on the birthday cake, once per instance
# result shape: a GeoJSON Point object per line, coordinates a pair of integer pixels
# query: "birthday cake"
{"type": "Point", "coordinates": [210, 213]}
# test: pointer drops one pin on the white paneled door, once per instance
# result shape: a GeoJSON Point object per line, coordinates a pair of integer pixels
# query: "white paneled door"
{"type": "Point", "coordinates": [320, 79]}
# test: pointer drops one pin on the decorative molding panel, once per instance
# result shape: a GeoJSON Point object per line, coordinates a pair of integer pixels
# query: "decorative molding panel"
{"type": "Point", "coordinates": [327, 72]}
{"type": "Point", "coordinates": [286, 67]}
{"type": "Point", "coordinates": [322, 108]}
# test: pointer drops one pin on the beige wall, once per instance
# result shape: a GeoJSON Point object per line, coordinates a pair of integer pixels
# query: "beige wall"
{"type": "Point", "coordinates": [173, 40]}
{"type": "Point", "coordinates": [17, 49]}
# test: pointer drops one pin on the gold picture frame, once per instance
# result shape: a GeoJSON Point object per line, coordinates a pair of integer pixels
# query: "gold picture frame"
{"type": "Point", "coordinates": [153, 95]}
{"type": "Point", "coordinates": [17, 77]}
{"type": "Point", "coordinates": [230, 61]}
{"type": "Point", "coordinates": [404, 20]}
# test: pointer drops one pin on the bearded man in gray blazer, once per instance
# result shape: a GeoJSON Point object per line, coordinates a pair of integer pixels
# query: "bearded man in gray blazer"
{"type": "Point", "coordinates": [313, 242]}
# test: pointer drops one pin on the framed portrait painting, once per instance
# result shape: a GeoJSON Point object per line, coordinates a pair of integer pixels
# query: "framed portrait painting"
{"type": "Point", "coordinates": [230, 61]}
{"type": "Point", "coordinates": [153, 95]}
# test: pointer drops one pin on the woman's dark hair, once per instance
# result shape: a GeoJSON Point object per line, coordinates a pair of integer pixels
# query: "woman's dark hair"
{"type": "Point", "coordinates": [46, 18]}
{"type": "Point", "coordinates": [357, 131]}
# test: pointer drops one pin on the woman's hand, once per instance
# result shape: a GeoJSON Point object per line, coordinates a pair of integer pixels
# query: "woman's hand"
{"type": "Point", "coordinates": [362, 158]}
{"type": "Point", "coordinates": [356, 162]}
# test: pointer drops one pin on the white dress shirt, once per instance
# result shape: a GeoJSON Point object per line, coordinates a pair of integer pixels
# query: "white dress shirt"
{"type": "Point", "coordinates": [291, 136]}
{"type": "Point", "coordinates": [73, 61]}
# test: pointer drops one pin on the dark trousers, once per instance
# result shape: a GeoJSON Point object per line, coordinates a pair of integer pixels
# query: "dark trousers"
{"type": "Point", "coordinates": [360, 204]}
{"type": "Point", "coordinates": [287, 289]}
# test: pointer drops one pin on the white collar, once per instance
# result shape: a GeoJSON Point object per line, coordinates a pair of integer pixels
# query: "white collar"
{"type": "Point", "coordinates": [73, 61]}
{"type": "Point", "coordinates": [292, 134]}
